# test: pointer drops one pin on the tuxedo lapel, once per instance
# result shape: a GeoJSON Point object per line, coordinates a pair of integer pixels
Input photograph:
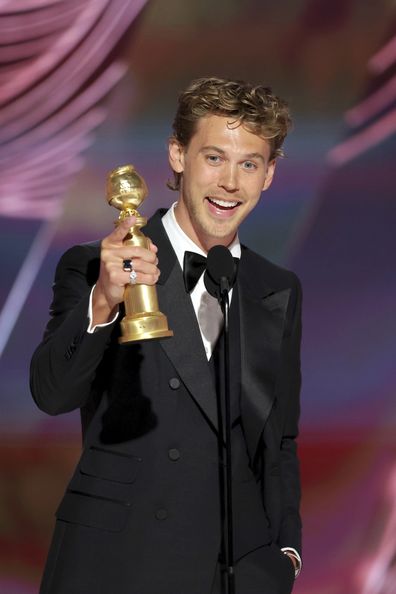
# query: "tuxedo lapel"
{"type": "Point", "coordinates": [185, 349]}
{"type": "Point", "coordinates": [262, 320]}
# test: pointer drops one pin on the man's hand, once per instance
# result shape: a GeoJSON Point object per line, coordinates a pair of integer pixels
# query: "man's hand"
{"type": "Point", "coordinates": [110, 286]}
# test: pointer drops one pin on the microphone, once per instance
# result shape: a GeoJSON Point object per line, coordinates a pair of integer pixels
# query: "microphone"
{"type": "Point", "coordinates": [221, 271]}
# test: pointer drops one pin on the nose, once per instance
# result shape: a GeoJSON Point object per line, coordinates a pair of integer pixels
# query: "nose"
{"type": "Point", "coordinates": [229, 178]}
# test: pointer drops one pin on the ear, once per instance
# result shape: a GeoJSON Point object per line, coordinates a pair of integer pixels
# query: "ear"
{"type": "Point", "coordinates": [176, 155]}
{"type": "Point", "coordinates": [269, 175]}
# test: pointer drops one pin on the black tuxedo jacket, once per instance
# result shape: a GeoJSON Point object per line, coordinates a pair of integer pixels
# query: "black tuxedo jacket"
{"type": "Point", "coordinates": [141, 512]}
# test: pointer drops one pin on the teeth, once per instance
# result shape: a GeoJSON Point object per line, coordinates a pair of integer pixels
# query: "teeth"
{"type": "Point", "coordinates": [223, 203]}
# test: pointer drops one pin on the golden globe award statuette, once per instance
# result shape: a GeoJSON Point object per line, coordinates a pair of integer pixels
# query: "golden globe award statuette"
{"type": "Point", "coordinates": [126, 190]}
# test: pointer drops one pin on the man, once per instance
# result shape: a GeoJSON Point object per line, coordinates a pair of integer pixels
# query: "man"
{"type": "Point", "coordinates": [142, 512]}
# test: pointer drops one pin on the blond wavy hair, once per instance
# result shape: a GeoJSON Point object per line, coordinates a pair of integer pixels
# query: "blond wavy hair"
{"type": "Point", "coordinates": [256, 108]}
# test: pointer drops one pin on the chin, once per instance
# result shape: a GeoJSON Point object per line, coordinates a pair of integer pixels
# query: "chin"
{"type": "Point", "coordinates": [221, 233]}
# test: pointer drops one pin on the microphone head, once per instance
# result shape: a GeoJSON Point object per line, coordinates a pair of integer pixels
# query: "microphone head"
{"type": "Point", "coordinates": [220, 265]}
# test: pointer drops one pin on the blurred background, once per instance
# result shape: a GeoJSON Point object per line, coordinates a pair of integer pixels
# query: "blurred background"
{"type": "Point", "coordinates": [86, 86]}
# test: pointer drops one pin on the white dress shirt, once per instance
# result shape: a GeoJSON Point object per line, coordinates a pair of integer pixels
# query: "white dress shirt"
{"type": "Point", "coordinates": [206, 307]}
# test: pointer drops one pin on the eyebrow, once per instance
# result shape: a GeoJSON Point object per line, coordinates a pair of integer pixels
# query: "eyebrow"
{"type": "Point", "coordinates": [222, 152]}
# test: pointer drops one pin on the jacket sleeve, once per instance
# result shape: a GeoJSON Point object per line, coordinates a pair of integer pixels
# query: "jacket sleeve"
{"type": "Point", "coordinates": [64, 365]}
{"type": "Point", "coordinates": [289, 400]}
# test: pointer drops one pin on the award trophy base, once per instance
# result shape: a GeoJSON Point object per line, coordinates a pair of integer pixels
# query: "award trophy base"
{"type": "Point", "coordinates": [144, 327]}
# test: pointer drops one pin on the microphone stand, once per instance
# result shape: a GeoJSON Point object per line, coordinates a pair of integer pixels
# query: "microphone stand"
{"type": "Point", "coordinates": [229, 532]}
{"type": "Point", "coordinates": [220, 274]}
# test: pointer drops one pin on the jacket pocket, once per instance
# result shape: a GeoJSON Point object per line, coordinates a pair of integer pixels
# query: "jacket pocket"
{"type": "Point", "coordinates": [110, 465]}
{"type": "Point", "coordinates": [93, 511]}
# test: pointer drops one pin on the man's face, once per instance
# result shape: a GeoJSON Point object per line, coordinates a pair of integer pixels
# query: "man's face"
{"type": "Point", "coordinates": [224, 170]}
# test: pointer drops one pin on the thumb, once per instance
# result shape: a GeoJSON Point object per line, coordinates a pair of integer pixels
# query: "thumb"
{"type": "Point", "coordinates": [119, 233]}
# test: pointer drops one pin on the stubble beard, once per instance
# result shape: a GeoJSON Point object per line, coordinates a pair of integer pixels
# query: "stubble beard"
{"type": "Point", "coordinates": [208, 229]}
{"type": "Point", "coordinates": [205, 228]}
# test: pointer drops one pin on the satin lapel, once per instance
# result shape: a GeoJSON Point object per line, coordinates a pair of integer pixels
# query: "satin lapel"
{"type": "Point", "coordinates": [263, 317]}
{"type": "Point", "coordinates": [185, 349]}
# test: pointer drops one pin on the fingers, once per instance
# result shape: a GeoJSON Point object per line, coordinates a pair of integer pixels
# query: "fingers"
{"type": "Point", "coordinates": [144, 258]}
{"type": "Point", "coordinates": [144, 263]}
{"type": "Point", "coordinates": [118, 235]}
{"type": "Point", "coordinates": [147, 273]}
{"type": "Point", "coordinates": [152, 247]}
{"type": "Point", "coordinates": [113, 247]}
{"type": "Point", "coordinates": [137, 252]}
{"type": "Point", "coordinates": [112, 277]}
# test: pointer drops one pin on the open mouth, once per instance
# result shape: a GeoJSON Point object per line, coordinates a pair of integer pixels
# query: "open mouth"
{"type": "Point", "coordinates": [223, 204]}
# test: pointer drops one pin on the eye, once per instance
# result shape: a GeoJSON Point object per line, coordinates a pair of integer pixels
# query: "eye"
{"type": "Point", "coordinates": [250, 165]}
{"type": "Point", "coordinates": [213, 159]}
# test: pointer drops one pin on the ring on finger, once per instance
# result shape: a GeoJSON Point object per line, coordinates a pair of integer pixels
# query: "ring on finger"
{"type": "Point", "coordinates": [127, 265]}
{"type": "Point", "coordinates": [132, 277]}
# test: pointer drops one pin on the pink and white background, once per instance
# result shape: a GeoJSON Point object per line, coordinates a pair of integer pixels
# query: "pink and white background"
{"type": "Point", "coordinates": [86, 86]}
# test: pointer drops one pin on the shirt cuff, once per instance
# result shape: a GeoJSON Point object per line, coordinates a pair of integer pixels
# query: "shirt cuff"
{"type": "Point", "coordinates": [91, 329]}
{"type": "Point", "coordinates": [293, 553]}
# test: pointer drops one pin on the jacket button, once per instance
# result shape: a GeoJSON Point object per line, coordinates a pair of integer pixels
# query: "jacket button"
{"type": "Point", "coordinates": [174, 454]}
{"type": "Point", "coordinates": [161, 514]}
{"type": "Point", "coordinates": [174, 383]}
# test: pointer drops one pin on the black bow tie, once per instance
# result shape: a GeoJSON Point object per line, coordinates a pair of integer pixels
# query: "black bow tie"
{"type": "Point", "coordinates": [193, 266]}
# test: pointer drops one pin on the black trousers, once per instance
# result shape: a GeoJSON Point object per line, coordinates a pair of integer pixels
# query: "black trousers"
{"type": "Point", "coordinates": [265, 570]}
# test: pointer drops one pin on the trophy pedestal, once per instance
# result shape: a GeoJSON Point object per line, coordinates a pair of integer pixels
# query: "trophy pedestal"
{"type": "Point", "coordinates": [144, 327]}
